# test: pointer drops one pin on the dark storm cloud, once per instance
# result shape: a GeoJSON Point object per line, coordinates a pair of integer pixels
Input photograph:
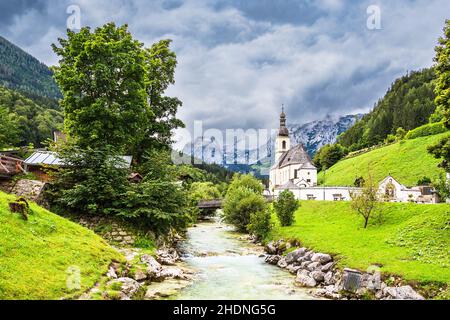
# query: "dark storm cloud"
{"type": "Point", "coordinates": [10, 9]}
{"type": "Point", "coordinates": [239, 60]}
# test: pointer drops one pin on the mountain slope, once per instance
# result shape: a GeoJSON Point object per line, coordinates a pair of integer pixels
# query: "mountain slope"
{"type": "Point", "coordinates": [36, 255]}
{"type": "Point", "coordinates": [21, 71]}
{"type": "Point", "coordinates": [408, 103]}
{"type": "Point", "coordinates": [316, 134]}
{"type": "Point", "coordinates": [407, 161]}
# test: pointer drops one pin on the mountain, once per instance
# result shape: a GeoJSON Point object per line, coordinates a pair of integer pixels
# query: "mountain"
{"type": "Point", "coordinates": [239, 158]}
{"type": "Point", "coordinates": [408, 104]}
{"type": "Point", "coordinates": [316, 134]}
{"type": "Point", "coordinates": [21, 71]}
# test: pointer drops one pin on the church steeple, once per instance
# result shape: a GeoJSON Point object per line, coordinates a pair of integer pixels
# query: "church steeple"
{"type": "Point", "coordinates": [283, 132]}
{"type": "Point", "coordinates": [283, 142]}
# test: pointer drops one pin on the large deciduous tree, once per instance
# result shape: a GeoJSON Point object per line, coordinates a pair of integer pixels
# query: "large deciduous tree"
{"type": "Point", "coordinates": [103, 78]}
{"type": "Point", "coordinates": [442, 149]}
{"type": "Point", "coordinates": [161, 63]}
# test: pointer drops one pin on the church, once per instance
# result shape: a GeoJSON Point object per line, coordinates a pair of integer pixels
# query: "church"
{"type": "Point", "coordinates": [293, 170]}
{"type": "Point", "coordinates": [293, 166]}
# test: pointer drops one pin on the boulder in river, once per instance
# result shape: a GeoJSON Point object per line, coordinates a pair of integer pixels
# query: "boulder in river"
{"type": "Point", "coordinates": [305, 281]}
{"type": "Point", "coordinates": [273, 259]}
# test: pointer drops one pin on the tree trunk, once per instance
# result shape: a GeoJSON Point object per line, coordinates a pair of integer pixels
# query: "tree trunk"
{"type": "Point", "coordinates": [366, 222]}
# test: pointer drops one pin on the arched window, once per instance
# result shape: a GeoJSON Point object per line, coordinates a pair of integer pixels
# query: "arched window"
{"type": "Point", "coordinates": [283, 145]}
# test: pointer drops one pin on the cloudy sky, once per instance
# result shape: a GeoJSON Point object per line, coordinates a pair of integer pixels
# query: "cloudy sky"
{"type": "Point", "coordinates": [239, 60]}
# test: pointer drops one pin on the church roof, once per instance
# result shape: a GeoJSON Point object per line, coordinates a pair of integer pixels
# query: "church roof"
{"type": "Point", "coordinates": [296, 155]}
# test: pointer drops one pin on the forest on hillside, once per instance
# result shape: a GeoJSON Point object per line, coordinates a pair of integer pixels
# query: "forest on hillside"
{"type": "Point", "coordinates": [21, 71]}
{"type": "Point", "coordinates": [408, 104]}
{"type": "Point", "coordinates": [25, 121]}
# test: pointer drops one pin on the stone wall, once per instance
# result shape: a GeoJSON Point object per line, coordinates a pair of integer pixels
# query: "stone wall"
{"type": "Point", "coordinates": [109, 229]}
{"type": "Point", "coordinates": [29, 189]}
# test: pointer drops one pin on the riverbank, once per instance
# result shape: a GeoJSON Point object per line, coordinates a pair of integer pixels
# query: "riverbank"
{"type": "Point", "coordinates": [411, 242]}
{"type": "Point", "coordinates": [227, 266]}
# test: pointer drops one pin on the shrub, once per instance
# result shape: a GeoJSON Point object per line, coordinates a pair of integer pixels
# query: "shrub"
{"type": "Point", "coordinates": [204, 191]}
{"type": "Point", "coordinates": [239, 204]}
{"type": "Point", "coordinates": [426, 130]}
{"type": "Point", "coordinates": [246, 181]}
{"type": "Point", "coordinates": [91, 184]}
{"type": "Point", "coordinates": [260, 224]}
{"type": "Point", "coordinates": [285, 207]}
{"type": "Point", "coordinates": [158, 205]}
{"type": "Point", "coordinates": [424, 181]}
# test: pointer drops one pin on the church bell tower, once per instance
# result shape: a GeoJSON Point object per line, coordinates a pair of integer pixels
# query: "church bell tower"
{"type": "Point", "coordinates": [283, 142]}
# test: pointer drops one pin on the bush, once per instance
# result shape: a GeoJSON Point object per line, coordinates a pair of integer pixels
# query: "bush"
{"type": "Point", "coordinates": [158, 205]}
{"type": "Point", "coordinates": [92, 184]}
{"type": "Point", "coordinates": [285, 207]}
{"type": "Point", "coordinates": [260, 224]}
{"type": "Point", "coordinates": [239, 204]}
{"type": "Point", "coordinates": [204, 191]}
{"type": "Point", "coordinates": [426, 130]}
{"type": "Point", "coordinates": [246, 181]}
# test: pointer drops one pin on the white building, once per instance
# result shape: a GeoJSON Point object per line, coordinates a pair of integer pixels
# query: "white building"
{"type": "Point", "coordinates": [293, 170]}
{"type": "Point", "coordinates": [293, 166]}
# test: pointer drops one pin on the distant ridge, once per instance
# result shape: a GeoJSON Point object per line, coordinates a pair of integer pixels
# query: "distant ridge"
{"type": "Point", "coordinates": [23, 72]}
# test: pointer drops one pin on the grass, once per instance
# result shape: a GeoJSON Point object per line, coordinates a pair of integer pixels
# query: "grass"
{"type": "Point", "coordinates": [35, 255]}
{"type": "Point", "coordinates": [412, 241]}
{"type": "Point", "coordinates": [407, 161]}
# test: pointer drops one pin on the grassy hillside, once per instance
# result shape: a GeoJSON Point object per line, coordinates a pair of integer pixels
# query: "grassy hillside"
{"type": "Point", "coordinates": [407, 161]}
{"type": "Point", "coordinates": [413, 240]}
{"type": "Point", "coordinates": [36, 254]}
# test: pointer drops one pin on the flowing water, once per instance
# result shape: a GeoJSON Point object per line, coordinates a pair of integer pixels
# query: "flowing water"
{"type": "Point", "coordinates": [228, 267]}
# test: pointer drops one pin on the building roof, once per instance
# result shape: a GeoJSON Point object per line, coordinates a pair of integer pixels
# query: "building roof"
{"type": "Point", "coordinates": [296, 155]}
{"type": "Point", "coordinates": [39, 158]}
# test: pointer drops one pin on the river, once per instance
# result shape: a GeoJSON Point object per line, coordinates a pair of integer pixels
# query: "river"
{"type": "Point", "coordinates": [228, 267]}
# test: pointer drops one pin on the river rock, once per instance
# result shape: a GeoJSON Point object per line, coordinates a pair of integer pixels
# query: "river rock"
{"type": "Point", "coordinates": [128, 286]}
{"type": "Point", "coordinates": [328, 292]}
{"type": "Point", "coordinates": [322, 258]}
{"type": "Point", "coordinates": [329, 279]}
{"type": "Point", "coordinates": [401, 293]}
{"type": "Point", "coordinates": [317, 275]}
{"type": "Point", "coordinates": [139, 275]}
{"type": "Point", "coordinates": [305, 281]}
{"type": "Point", "coordinates": [295, 255]}
{"type": "Point", "coordinates": [282, 263]}
{"type": "Point", "coordinates": [167, 256]}
{"type": "Point", "coordinates": [314, 266]}
{"type": "Point", "coordinates": [327, 267]}
{"type": "Point", "coordinates": [172, 273]}
{"type": "Point", "coordinates": [154, 268]}
{"type": "Point", "coordinates": [293, 268]}
{"type": "Point", "coordinates": [308, 255]}
{"type": "Point", "coordinates": [270, 248]}
{"type": "Point", "coordinates": [305, 264]}
{"type": "Point", "coordinates": [374, 282]}
{"type": "Point", "coordinates": [273, 259]}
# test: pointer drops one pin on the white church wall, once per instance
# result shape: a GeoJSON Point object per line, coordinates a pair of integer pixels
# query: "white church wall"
{"type": "Point", "coordinates": [321, 193]}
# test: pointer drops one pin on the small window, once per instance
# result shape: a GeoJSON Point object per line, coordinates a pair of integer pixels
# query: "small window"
{"type": "Point", "coordinates": [283, 145]}
{"type": "Point", "coordinates": [295, 174]}
{"type": "Point", "coordinates": [308, 180]}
